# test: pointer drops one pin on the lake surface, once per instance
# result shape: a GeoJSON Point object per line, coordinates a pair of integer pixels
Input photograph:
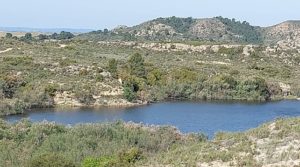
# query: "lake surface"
{"type": "Point", "coordinates": [206, 117]}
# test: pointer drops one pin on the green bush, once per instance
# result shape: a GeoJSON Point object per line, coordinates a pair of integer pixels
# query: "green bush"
{"type": "Point", "coordinates": [129, 93]}
{"type": "Point", "coordinates": [105, 161]}
{"type": "Point", "coordinates": [136, 65]}
{"type": "Point", "coordinates": [50, 160]}
{"type": "Point", "coordinates": [113, 67]}
{"type": "Point", "coordinates": [129, 157]}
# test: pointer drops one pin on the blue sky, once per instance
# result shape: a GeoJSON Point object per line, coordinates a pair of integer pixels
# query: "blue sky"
{"type": "Point", "coordinates": [99, 14]}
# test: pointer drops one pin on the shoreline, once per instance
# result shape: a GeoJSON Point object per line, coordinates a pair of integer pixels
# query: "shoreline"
{"type": "Point", "coordinates": [144, 103]}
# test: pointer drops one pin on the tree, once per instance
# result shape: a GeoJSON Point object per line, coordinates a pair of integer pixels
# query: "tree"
{"type": "Point", "coordinates": [28, 36]}
{"type": "Point", "coordinates": [129, 93]}
{"type": "Point", "coordinates": [42, 37]}
{"type": "Point", "coordinates": [105, 31]}
{"type": "Point", "coordinates": [136, 65]}
{"type": "Point", "coordinates": [66, 35]}
{"type": "Point", "coordinates": [8, 35]}
{"type": "Point", "coordinates": [54, 36]}
{"type": "Point", "coordinates": [112, 67]}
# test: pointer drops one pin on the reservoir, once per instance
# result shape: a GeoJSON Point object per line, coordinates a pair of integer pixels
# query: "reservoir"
{"type": "Point", "coordinates": [198, 117]}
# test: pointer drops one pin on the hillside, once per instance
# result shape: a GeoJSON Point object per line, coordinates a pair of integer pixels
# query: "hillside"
{"type": "Point", "coordinates": [162, 59]}
{"type": "Point", "coordinates": [218, 29]}
{"type": "Point", "coordinates": [286, 32]}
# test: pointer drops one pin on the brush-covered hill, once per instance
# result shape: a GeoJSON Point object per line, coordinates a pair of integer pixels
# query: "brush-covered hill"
{"type": "Point", "coordinates": [217, 29]}
{"type": "Point", "coordinates": [286, 32]}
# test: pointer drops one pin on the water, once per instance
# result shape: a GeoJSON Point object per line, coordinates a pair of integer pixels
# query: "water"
{"type": "Point", "coordinates": [205, 117]}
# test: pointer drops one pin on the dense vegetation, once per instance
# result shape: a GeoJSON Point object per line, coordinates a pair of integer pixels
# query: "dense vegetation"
{"type": "Point", "coordinates": [183, 29]}
{"type": "Point", "coordinates": [126, 144]}
{"type": "Point", "coordinates": [245, 32]}
{"type": "Point", "coordinates": [181, 25]}
{"type": "Point", "coordinates": [55, 36]}
{"type": "Point", "coordinates": [117, 144]}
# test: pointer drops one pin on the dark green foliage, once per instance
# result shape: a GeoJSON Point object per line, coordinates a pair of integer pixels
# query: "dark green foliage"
{"type": "Point", "coordinates": [61, 36]}
{"type": "Point", "coordinates": [256, 88]}
{"type": "Point", "coordinates": [129, 93]}
{"type": "Point", "coordinates": [27, 37]}
{"type": "Point", "coordinates": [54, 36]}
{"type": "Point", "coordinates": [181, 25]}
{"type": "Point", "coordinates": [8, 35]}
{"type": "Point", "coordinates": [154, 77]}
{"type": "Point", "coordinates": [42, 37]}
{"type": "Point", "coordinates": [113, 67]}
{"type": "Point", "coordinates": [105, 31]}
{"type": "Point", "coordinates": [246, 32]}
{"type": "Point", "coordinates": [65, 35]}
{"type": "Point", "coordinates": [136, 65]}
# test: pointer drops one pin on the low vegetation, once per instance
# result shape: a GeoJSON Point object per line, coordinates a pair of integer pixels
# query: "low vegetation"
{"type": "Point", "coordinates": [43, 73]}
{"type": "Point", "coordinates": [128, 144]}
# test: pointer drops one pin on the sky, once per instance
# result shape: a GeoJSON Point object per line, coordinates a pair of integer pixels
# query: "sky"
{"type": "Point", "coordinates": [100, 14]}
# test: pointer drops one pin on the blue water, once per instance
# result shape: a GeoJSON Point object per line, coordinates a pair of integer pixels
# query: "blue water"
{"type": "Point", "coordinates": [205, 117]}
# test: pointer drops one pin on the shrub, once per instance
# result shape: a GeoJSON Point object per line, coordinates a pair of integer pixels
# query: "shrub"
{"type": "Point", "coordinates": [50, 90]}
{"type": "Point", "coordinates": [136, 65]}
{"type": "Point", "coordinates": [130, 156]}
{"type": "Point", "coordinates": [105, 161]}
{"type": "Point", "coordinates": [129, 93]}
{"type": "Point", "coordinates": [10, 85]}
{"type": "Point", "coordinates": [112, 67]}
{"type": "Point", "coordinates": [50, 160]}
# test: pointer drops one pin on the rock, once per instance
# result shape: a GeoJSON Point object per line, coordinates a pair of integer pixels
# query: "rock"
{"type": "Point", "coordinates": [105, 74]}
{"type": "Point", "coordinates": [247, 50]}
{"type": "Point", "coordinates": [286, 89]}
{"type": "Point", "coordinates": [66, 99]}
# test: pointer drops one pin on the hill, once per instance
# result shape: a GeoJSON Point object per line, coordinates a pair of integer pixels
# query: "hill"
{"type": "Point", "coordinates": [286, 31]}
{"type": "Point", "coordinates": [162, 59]}
{"type": "Point", "coordinates": [217, 29]}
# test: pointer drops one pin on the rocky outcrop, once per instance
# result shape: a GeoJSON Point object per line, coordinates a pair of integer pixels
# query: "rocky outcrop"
{"type": "Point", "coordinates": [177, 47]}
{"type": "Point", "coordinates": [286, 88]}
{"type": "Point", "coordinates": [110, 99]}
{"type": "Point", "coordinates": [286, 34]}
{"type": "Point", "coordinates": [202, 29]}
